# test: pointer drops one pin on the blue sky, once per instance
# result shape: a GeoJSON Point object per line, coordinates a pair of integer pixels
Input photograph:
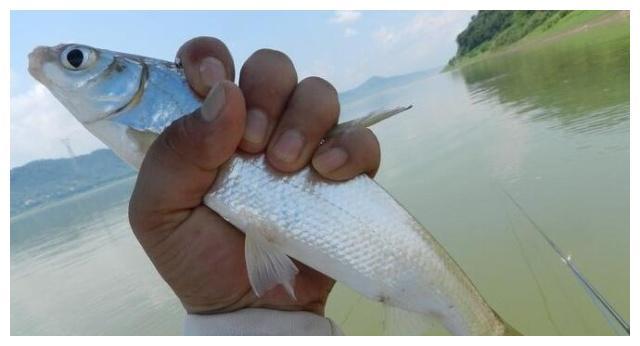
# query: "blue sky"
{"type": "Point", "coordinates": [345, 47]}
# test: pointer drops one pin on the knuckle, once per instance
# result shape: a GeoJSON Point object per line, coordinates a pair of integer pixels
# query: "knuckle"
{"type": "Point", "coordinates": [272, 54]}
{"type": "Point", "coordinates": [370, 140]}
{"type": "Point", "coordinates": [328, 116]}
{"type": "Point", "coordinates": [190, 141]}
{"type": "Point", "coordinates": [271, 57]}
{"type": "Point", "coordinates": [137, 223]}
{"type": "Point", "coordinates": [317, 97]}
{"type": "Point", "coordinates": [365, 147]}
{"type": "Point", "coordinates": [201, 40]}
{"type": "Point", "coordinates": [176, 137]}
{"type": "Point", "coordinates": [268, 75]}
{"type": "Point", "coordinates": [361, 137]}
{"type": "Point", "coordinates": [198, 48]}
{"type": "Point", "coordinates": [319, 83]}
{"type": "Point", "coordinates": [140, 219]}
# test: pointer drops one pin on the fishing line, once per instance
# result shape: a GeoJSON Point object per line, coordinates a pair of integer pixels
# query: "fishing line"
{"type": "Point", "coordinates": [559, 279]}
{"type": "Point", "coordinates": [534, 276]}
{"type": "Point", "coordinates": [607, 309]}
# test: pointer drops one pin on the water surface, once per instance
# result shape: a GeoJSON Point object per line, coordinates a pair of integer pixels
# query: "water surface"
{"type": "Point", "coordinates": [549, 124]}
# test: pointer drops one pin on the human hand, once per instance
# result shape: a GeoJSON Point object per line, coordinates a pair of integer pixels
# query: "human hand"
{"type": "Point", "coordinates": [198, 253]}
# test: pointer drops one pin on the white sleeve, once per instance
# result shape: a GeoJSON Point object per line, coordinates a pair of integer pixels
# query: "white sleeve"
{"type": "Point", "coordinates": [253, 321]}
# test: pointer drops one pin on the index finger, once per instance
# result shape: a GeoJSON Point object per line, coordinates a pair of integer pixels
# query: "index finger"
{"type": "Point", "coordinates": [205, 60]}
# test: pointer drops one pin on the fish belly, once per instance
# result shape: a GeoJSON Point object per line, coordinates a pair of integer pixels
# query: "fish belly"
{"type": "Point", "coordinates": [354, 232]}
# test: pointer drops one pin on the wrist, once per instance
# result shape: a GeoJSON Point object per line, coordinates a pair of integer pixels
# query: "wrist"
{"type": "Point", "coordinates": [260, 321]}
{"type": "Point", "coordinates": [276, 299]}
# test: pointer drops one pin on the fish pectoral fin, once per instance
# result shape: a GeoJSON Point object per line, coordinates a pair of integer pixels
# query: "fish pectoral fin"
{"type": "Point", "coordinates": [267, 266]}
{"type": "Point", "coordinates": [369, 119]}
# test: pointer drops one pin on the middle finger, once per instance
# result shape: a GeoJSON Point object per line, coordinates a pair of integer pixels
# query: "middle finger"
{"type": "Point", "coordinates": [312, 111]}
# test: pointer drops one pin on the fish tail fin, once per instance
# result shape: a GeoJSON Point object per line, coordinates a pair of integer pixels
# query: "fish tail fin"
{"type": "Point", "coordinates": [509, 330]}
{"type": "Point", "coordinates": [370, 119]}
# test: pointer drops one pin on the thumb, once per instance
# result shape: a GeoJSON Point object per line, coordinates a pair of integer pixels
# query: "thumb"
{"type": "Point", "coordinates": [182, 163]}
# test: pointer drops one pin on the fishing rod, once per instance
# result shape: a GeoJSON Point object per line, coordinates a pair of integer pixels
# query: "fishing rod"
{"type": "Point", "coordinates": [607, 309]}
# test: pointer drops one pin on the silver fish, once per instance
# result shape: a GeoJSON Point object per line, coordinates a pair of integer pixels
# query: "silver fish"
{"type": "Point", "coordinates": [352, 231]}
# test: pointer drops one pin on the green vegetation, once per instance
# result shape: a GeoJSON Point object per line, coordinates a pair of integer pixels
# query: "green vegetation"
{"type": "Point", "coordinates": [44, 181]}
{"type": "Point", "coordinates": [494, 31]}
{"type": "Point", "coordinates": [581, 80]}
{"type": "Point", "coordinates": [571, 20]}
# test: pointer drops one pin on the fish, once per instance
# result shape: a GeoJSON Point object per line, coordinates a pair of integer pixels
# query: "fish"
{"type": "Point", "coordinates": [353, 231]}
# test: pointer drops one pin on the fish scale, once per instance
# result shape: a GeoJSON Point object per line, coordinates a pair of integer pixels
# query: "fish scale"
{"type": "Point", "coordinates": [354, 225]}
{"type": "Point", "coordinates": [352, 231]}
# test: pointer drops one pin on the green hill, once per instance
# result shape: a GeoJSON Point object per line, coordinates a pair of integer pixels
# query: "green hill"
{"type": "Point", "coordinates": [43, 181]}
{"type": "Point", "coordinates": [495, 31]}
{"type": "Point", "coordinates": [378, 83]}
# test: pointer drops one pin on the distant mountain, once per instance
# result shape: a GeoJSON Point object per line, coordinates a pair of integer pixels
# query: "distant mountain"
{"type": "Point", "coordinates": [377, 83]}
{"type": "Point", "coordinates": [43, 181]}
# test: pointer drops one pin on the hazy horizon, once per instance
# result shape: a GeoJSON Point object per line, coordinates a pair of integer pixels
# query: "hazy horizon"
{"type": "Point", "coordinates": [337, 46]}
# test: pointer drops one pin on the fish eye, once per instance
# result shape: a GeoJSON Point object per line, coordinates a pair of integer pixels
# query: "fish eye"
{"type": "Point", "coordinates": [77, 57]}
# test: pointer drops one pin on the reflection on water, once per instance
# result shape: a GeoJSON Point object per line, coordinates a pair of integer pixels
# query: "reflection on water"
{"type": "Point", "coordinates": [575, 84]}
{"type": "Point", "coordinates": [76, 268]}
{"type": "Point", "coordinates": [550, 125]}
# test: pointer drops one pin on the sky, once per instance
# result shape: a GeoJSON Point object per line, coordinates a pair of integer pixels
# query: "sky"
{"type": "Point", "coordinates": [344, 47]}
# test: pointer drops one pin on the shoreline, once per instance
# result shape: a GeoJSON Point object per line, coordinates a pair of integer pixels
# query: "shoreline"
{"type": "Point", "coordinates": [44, 206]}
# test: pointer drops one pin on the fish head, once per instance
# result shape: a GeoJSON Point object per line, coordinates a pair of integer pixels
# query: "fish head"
{"type": "Point", "coordinates": [91, 83]}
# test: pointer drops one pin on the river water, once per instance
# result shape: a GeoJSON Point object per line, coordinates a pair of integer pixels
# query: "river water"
{"type": "Point", "coordinates": [548, 124]}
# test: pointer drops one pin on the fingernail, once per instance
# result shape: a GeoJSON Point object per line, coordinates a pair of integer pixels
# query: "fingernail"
{"type": "Point", "coordinates": [213, 104]}
{"type": "Point", "coordinates": [256, 128]}
{"type": "Point", "coordinates": [330, 160]}
{"type": "Point", "coordinates": [289, 146]}
{"type": "Point", "coordinates": [211, 71]}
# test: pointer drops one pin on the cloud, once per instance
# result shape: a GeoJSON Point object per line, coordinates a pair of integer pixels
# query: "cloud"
{"type": "Point", "coordinates": [398, 45]}
{"type": "Point", "coordinates": [345, 16]}
{"type": "Point", "coordinates": [39, 123]}
{"type": "Point", "coordinates": [350, 32]}
{"type": "Point", "coordinates": [386, 45]}
{"type": "Point", "coordinates": [423, 25]}
{"type": "Point", "coordinates": [322, 68]}
{"type": "Point", "coordinates": [384, 36]}
{"type": "Point", "coordinates": [427, 37]}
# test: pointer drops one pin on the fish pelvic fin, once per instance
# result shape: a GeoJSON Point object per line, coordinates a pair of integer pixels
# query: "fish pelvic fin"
{"type": "Point", "coordinates": [369, 119]}
{"type": "Point", "coordinates": [267, 266]}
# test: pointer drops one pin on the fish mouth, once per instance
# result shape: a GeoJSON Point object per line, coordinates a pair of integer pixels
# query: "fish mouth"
{"type": "Point", "coordinates": [37, 58]}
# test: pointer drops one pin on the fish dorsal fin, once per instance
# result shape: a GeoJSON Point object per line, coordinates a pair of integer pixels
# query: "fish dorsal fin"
{"type": "Point", "coordinates": [369, 119]}
{"type": "Point", "coordinates": [267, 266]}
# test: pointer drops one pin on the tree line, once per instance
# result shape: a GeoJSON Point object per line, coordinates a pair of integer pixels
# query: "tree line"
{"type": "Point", "coordinates": [491, 29]}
